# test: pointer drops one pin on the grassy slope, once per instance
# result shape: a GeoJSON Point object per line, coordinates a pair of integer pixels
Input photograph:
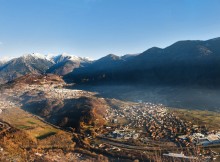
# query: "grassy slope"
{"type": "Point", "coordinates": [24, 121]}
{"type": "Point", "coordinates": [199, 117]}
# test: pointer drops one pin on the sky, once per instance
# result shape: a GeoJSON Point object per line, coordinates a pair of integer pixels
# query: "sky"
{"type": "Point", "coordinates": [95, 28]}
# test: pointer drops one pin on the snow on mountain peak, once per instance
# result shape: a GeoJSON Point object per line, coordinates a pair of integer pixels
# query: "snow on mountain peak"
{"type": "Point", "coordinates": [35, 55]}
{"type": "Point", "coordinates": [38, 56]}
{"type": "Point", "coordinates": [65, 57]}
{"type": "Point", "coordinates": [5, 59]}
{"type": "Point", "coordinates": [49, 57]}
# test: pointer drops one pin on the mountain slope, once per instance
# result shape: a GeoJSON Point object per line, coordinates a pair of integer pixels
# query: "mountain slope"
{"type": "Point", "coordinates": [97, 70]}
{"type": "Point", "coordinates": [46, 96]}
{"type": "Point", "coordinates": [65, 64]}
{"type": "Point", "coordinates": [37, 64]}
{"type": "Point", "coordinates": [23, 65]}
{"type": "Point", "coordinates": [183, 63]}
{"type": "Point", "coordinates": [2, 63]}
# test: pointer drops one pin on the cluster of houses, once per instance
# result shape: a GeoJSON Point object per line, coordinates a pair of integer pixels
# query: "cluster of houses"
{"type": "Point", "coordinates": [207, 139]}
{"type": "Point", "coordinates": [44, 90]}
{"type": "Point", "coordinates": [137, 117]}
{"type": "Point", "coordinates": [168, 126]}
{"type": "Point", "coordinates": [68, 93]}
{"type": "Point", "coordinates": [5, 104]}
{"type": "Point", "coordinates": [124, 134]}
{"type": "Point", "coordinates": [147, 121]}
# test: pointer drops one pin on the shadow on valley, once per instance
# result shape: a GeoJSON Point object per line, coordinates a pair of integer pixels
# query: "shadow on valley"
{"type": "Point", "coordinates": [74, 114]}
{"type": "Point", "coordinates": [59, 112]}
{"type": "Point", "coordinates": [172, 96]}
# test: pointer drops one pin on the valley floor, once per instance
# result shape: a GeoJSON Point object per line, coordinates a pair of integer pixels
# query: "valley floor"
{"type": "Point", "coordinates": [113, 130]}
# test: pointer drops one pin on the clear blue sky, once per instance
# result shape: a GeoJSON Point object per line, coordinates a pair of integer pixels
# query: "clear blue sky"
{"type": "Point", "coordinates": [95, 28]}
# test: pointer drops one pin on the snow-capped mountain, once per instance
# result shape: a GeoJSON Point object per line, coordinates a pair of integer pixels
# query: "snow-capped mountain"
{"type": "Point", "coordinates": [30, 63]}
{"type": "Point", "coordinates": [38, 63]}
{"type": "Point", "coordinates": [65, 63]}
{"type": "Point", "coordinates": [67, 57]}
{"type": "Point", "coordinates": [37, 56]}
{"type": "Point", "coordinates": [4, 60]}
{"type": "Point", "coordinates": [2, 63]}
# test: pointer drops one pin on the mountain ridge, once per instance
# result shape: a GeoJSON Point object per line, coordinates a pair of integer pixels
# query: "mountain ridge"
{"type": "Point", "coordinates": [39, 64]}
{"type": "Point", "coordinates": [182, 63]}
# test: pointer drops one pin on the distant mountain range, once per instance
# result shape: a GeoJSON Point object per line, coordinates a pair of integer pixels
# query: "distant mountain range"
{"type": "Point", "coordinates": [39, 64]}
{"type": "Point", "coordinates": [183, 63]}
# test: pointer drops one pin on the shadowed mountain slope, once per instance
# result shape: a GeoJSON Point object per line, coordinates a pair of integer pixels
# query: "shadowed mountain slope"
{"type": "Point", "coordinates": [183, 63]}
